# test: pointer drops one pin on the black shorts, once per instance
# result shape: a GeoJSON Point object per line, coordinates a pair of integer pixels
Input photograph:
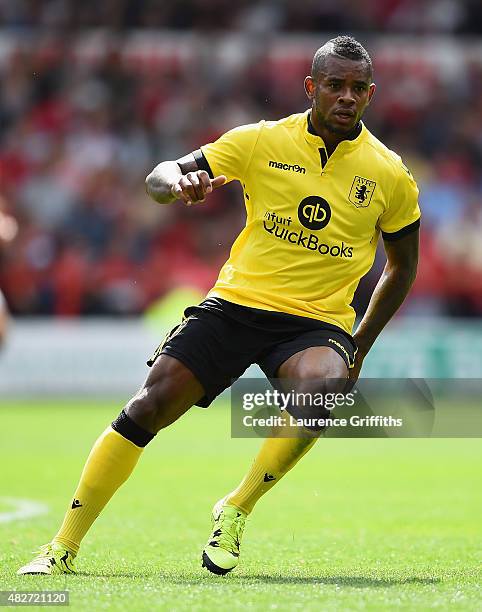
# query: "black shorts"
{"type": "Point", "coordinates": [219, 340]}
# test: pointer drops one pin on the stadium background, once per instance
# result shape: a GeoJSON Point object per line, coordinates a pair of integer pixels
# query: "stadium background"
{"type": "Point", "coordinates": [92, 96]}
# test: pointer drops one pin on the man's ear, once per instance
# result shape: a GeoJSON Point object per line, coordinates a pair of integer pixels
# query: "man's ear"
{"type": "Point", "coordinates": [371, 92]}
{"type": "Point", "coordinates": [310, 87]}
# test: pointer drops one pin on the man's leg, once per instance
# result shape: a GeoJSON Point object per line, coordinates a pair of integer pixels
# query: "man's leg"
{"type": "Point", "coordinates": [313, 370]}
{"type": "Point", "coordinates": [169, 391]}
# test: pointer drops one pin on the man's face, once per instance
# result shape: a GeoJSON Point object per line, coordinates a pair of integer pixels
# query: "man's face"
{"type": "Point", "coordinates": [340, 93]}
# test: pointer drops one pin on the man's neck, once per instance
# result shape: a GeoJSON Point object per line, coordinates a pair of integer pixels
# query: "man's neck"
{"type": "Point", "coordinates": [330, 139]}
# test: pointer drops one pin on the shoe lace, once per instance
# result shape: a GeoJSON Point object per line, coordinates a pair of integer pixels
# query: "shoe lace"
{"type": "Point", "coordinates": [43, 552]}
{"type": "Point", "coordinates": [229, 531]}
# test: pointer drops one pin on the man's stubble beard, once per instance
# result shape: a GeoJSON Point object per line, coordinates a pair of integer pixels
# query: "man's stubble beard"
{"type": "Point", "coordinates": [338, 131]}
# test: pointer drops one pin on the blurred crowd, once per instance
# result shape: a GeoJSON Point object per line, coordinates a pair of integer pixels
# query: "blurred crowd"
{"type": "Point", "coordinates": [421, 16]}
{"type": "Point", "coordinates": [83, 121]}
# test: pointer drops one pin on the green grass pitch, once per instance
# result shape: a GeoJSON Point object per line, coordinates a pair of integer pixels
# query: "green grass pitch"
{"type": "Point", "coordinates": [357, 525]}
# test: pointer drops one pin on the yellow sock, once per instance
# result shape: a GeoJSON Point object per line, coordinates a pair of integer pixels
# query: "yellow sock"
{"type": "Point", "coordinates": [109, 464]}
{"type": "Point", "coordinates": [276, 457]}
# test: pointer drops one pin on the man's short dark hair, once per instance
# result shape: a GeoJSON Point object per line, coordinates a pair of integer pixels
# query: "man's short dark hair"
{"type": "Point", "coordinates": [344, 46]}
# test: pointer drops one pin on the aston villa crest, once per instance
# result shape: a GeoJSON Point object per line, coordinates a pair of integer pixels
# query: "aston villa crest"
{"type": "Point", "coordinates": [361, 192]}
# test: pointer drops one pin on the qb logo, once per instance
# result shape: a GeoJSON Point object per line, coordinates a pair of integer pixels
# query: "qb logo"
{"type": "Point", "coordinates": [314, 213]}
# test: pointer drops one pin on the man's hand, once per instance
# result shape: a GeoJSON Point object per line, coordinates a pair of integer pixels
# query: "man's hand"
{"type": "Point", "coordinates": [194, 186]}
{"type": "Point", "coordinates": [354, 372]}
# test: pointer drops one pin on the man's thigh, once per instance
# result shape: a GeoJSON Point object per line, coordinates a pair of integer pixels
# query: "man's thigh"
{"type": "Point", "coordinates": [315, 376]}
{"type": "Point", "coordinates": [315, 354]}
{"type": "Point", "coordinates": [313, 371]}
{"type": "Point", "coordinates": [215, 349]}
{"type": "Point", "coordinates": [315, 363]}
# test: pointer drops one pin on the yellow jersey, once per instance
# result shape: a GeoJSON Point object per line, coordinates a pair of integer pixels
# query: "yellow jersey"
{"type": "Point", "coordinates": [312, 221]}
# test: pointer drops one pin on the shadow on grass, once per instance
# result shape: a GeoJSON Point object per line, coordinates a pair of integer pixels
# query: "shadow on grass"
{"type": "Point", "coordinates": [349, 581]}
{"type": "Point", "coordinates": [199, 579]}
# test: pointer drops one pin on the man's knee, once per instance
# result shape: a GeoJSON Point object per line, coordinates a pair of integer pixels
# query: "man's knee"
{"type": "Point", "coordinates": [150, 406]}
{"type": "Point", "coordinates": [312, 405]}
{"type": "Point", "coordinates": [169, 391]}
{"type": "Point", "coordinates": [311, 382]}
{"type": "Point", "coordinates": [317, 378]}
{"type": "Point", "coordinates": [328, 373]}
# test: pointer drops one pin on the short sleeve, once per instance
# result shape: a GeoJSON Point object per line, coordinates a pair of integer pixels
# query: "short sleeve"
{"type": "Point", "coordinates": [403, 212]}
{"type": "Point", "coordinates": [231, 153]}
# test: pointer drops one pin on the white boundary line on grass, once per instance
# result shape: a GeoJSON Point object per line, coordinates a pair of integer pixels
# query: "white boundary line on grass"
{"type": "Point", "coordinates": [23, 509]}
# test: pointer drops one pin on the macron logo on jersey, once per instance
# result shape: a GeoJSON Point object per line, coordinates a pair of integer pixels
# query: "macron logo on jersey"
{"type": "Point", "coordinates": [281, 166]}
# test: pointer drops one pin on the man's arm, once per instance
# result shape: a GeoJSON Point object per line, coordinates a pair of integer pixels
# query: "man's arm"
{"type": "Point", "coordinates": [390, 292]}
{"type": "Point", "coordinates": [181, 180]}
